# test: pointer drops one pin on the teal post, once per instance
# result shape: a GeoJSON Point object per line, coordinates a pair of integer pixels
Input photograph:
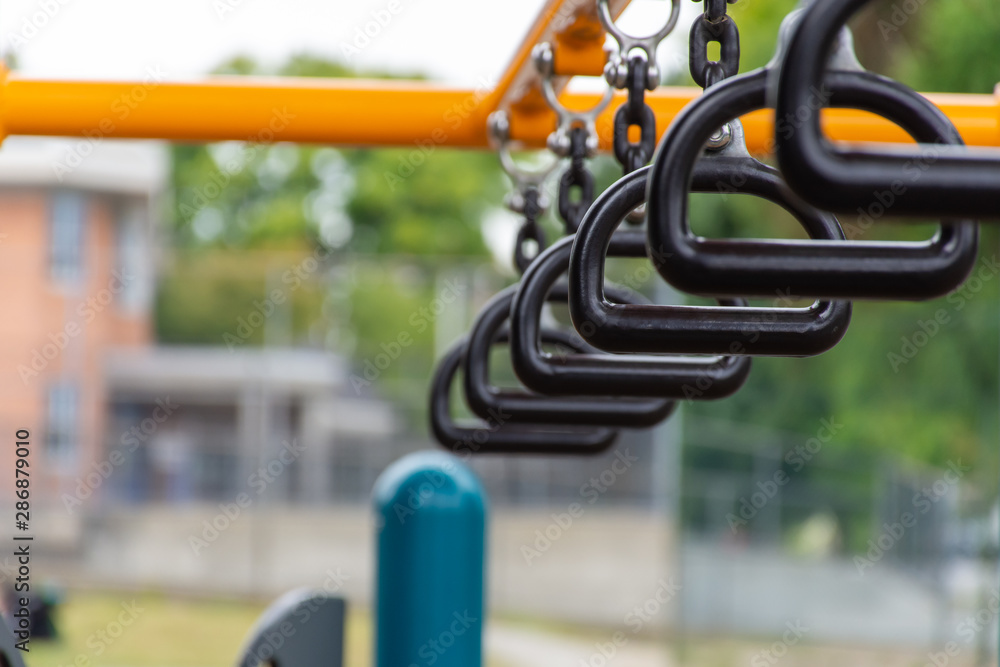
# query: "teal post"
{"type": "Point", "coordinates": [430, 517]}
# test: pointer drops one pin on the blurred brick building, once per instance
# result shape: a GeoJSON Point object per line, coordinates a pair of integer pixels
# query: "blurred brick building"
{"type": "Point", "coordinates": [76, 242]}
{"type": "Point", "coordinates": [112, 415]}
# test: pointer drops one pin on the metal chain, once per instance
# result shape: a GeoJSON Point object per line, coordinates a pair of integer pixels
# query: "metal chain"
{"type": "Point", "coordinates": [531, 207]}
{"type": "Point", "coordinates": [527, 197]}
{"type": "Point", "coordinates": [714, 25]}
{"type": "Point", "coordinates": [559, 141]}
{"type": "Point", "coordinates": [635, 112]}
{"type": "Point", "coordinates": [634, 69]}
{"type": "Point", "coordinates": [576, 177]}
{"type": "Point", "coordinates": [575, 137]}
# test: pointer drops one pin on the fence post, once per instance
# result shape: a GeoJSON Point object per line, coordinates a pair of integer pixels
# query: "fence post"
{"type": "Point", "coordinates": [430, 518]}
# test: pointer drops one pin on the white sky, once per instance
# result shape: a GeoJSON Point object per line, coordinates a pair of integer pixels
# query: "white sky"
{"type": "Point", "coordinates": [457, 41]}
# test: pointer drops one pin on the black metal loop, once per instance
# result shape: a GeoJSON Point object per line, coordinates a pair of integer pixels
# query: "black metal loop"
{"type": "Point", "coordinates": [716, 9]}
{"type": "Point", "coordinates": [935, 180]}
{"type": "Point", "coordinates": [635, 113]}
{"type": "Point", "coordinates": [703, 32]}
{"type": "Point", "coordinates": [838, 269]}
{"type": "Point", "coordinates": [572, 212]}
{"type": "Point", "coordinates": [634, 156]}
{"type": "Point", "coordinates": [529, 231]}
{"type": "Point", "coordinates": [684, 329]}
{"type": "Point", "coordinates": [486, 400]}
{"type": "Point", "coordinates": [714, 73]}
{"type": "Point", "coordinates": [601, 374]}
{"type": "Point", "coordinates": [576, 176]}
{"type": "Point", "coordinates": [532, 204]}
{"type": "Point", "coordinates": [638, 75]}
{"type": "Point", "coordinates": [500, 435]}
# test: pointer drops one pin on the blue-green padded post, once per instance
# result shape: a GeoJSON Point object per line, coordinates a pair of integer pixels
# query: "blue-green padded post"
{"type": "Point", "coordinates": [430, 515]}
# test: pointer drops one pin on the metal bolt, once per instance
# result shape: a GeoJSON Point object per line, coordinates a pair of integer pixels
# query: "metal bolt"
{"type": "Point", "coordinates": [559, 143]}
{"type": "Point", "coordinates": [499, 126]}
{"type": "Point", "coordinates": [638, 216]}
{"type": "Point", "coordinates": [721, 138]}
{"type": "Point", "coordinates": [544, 59]}
{"type": "Point", "coordinates": [515, 202]}
{"type": "Point", "coordinates": [616, 73]}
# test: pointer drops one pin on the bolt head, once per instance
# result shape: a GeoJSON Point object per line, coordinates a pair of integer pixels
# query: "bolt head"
{"type": "Point", "coordinates": [499, 126]}
{"type": "Point", "coordinates": [514, 201]}
{"type": "Point", "coordinates": [610, 72]}
{"type": "Point", "coordinates": [637, 216]}
{"type": "Point", "coordinates": [652, 77]}
{"type": "Point", "coordinates": [721, 138]}
{"type": "Point", "coordinates": [616, 73]}
{"type": "Point", "coordinates": [559, 143]}
{"type": "Point", "coordinates": [544, 59]}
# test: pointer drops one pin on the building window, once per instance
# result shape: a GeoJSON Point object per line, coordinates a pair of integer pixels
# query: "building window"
{"type": "Point", "coordinates": [132, 257]}
{"type": "Point", "coordinates": [66, 235]}
{"type": "Point", "coordinates": [61, 428]}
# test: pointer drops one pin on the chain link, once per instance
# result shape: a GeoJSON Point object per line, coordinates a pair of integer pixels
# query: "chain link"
{"type": "Point", "coordinates": [527, 197]}
{"type": "Point", "coordinates": [576, 177]}
{"type": "Point", "coordinates": [634, 69]}
{"type": "Point", "coordinates": [635, 113]}
{"type": "Point", "coordinates": [530, 230]}
{"type": "Point", "coordinates": [568, 119]}
{"type": "Point", "coordinates": [714, 25]}
{"type": "Point", "coordinates": [575, 137]}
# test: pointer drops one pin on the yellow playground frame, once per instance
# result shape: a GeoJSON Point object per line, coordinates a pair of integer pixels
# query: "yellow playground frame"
{"type": "Point", "coordinates": [364, 112]}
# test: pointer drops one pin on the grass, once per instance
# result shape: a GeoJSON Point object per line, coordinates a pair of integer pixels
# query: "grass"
{"type": "Point", "coordinates": [170, 631]}
{"type": "Point", "coordinates": [167, 631]}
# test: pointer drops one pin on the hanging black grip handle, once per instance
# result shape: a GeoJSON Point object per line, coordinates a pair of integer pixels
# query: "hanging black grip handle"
{"type": "Point", "coordinates": [824, 268]}
{"type": "Point", "coordinates": [939, 180]}
{"type": "Point", "coordinates": [499, 435]}
{"type": "Point", "coordinates": [486, 400]}
{"type": "Point", "coordinates": [601, 374]}
{"type": "Point", "coordinates": [788, 332]}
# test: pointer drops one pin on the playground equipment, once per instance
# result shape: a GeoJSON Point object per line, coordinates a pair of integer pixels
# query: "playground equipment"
{"type": "Point", "coordinates": [430, 513]}
{"type": "Point", "coordinates": [704, 149]}
{"type": "Point", "coordinates": [578, 399]}
{"type": "Point", "coordinates": [430, 519]}
{"type": "Point", "coordinates": [303, 628]}
{"type": "Point", "coordinates": [430, 509]}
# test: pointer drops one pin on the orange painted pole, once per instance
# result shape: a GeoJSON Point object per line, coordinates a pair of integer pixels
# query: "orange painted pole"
{"type": "Point", "coordinates": [357, 112]}
{"type": "Point", "coordinates": [351, 112]}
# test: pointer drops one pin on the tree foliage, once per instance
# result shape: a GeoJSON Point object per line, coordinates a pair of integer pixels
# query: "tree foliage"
{"type": "Point", "coordinates": [245, 213]}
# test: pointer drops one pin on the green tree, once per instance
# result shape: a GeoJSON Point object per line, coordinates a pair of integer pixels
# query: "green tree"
{"type": "Point", "coordinates": [244, 215]}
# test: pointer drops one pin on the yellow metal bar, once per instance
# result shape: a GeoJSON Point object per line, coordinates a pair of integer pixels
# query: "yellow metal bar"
{"type": "Point", "coordinates": [347, 111]}
{"type": "Point", "coordinates": [579, 57]}
{"type": "Point", "coordinates": [355, 112]}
